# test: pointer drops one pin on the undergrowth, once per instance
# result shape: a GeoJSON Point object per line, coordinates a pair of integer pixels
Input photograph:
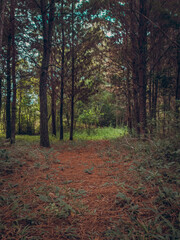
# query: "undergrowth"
{"type": "Point", "coordinates": [10, 162]}
{"type": "Point", "coordinates": [156, 167]}
{"type": "Point", "coordinates": [25, 212]}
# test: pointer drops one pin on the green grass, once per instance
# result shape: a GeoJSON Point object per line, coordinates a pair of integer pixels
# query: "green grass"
{"type": "Point", "coordinates": [28, 138]}
{"type": "Point", "coordinates": [106, 133]}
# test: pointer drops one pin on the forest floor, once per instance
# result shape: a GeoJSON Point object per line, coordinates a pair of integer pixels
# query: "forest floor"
{"type": "Point", "coordinates": [89, 190]}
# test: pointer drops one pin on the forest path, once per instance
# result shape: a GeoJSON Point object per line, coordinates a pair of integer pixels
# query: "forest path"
{"type": "Point", "coordinates": [89, 169]}
{"type": "Point", "coordinates": [71, 191]}
{"type": "Point", "coordinates": [95, 170]}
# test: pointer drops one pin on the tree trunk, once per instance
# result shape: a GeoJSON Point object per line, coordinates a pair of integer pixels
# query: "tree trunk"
{"type": "Point", "coordinates": [0, 95]}
{"type": "Point", "coordinates": [134, 64]}
{"type": "Point", "coordinates": [53, 110]}
{"type": "Point", "coordinates": [13, 123]}
{"type": "Point", "coordinates": [47, 40]}
{"type": "Point", "coordinates": [150, 98]}
{"type": "Point", "coordinates": [53, 101]}
{"type": "Point", "coordinates": [129, 102]}
{"type": "Point", "coordinates": [154, 100]}
{"type": "Point", "coordinates": [8, 98]}
{"type": "Point", "coordinates": [20, 99]}
{"type": "Point", "coordinates": [44, 137]}
{"type": "Point", "coordinates": [72, 90]}
{"type": "Point", "coordinates": [164, 115]}
{"type": "Point", "coordinates": [62, 73]}
{"type": "Point", "coordinates": [142, 41]}
{"type": "Point", "coordinates": [117, 110]}
{"type": "Point", "coordinates": [178, 77]}
{"type": "Point", "coordinates": [2, 11]}
{"type": "Point", "coordinates": [136, 97]}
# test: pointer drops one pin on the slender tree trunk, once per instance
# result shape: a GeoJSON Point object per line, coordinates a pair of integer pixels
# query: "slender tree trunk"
{"type": "Point", "coordinates": [0, 95]}
{"type": "Point", "coordinates": [8, 98]}
{"type": "Point", "coordinates": [142, 64]}
{"type": "Point", "coordinates": [129, 102]}
{"type": "Point", "coordinates": [53, 101]}
{"type": "Point", "coordinates": [136, 97]}
{"type": "Point", "coordinates": [150, 98]}
{"type": "Point", "coordinates": [20, 99]}
{"type": "Point", "coordinates": [53, 110]}
{"type": "Point", "coordinates": [154, 101]}
{"type": "Point", "coordinates": [2, 11]}
{"type": "Point", "coordinates": [13, 123]}
{"type": "Point", "coordinates": [72, 90]}
{"type": "Point", "coordinates": [178, 77]}
{"type": "Point", "coordinates": [62, 73]}
{"type": "Point", "coordinates": [151, 81]}
{"type": "Point", "coordinates": [134, 64]}
{"type": "Point", "coordinates": [164, 115]}
{"type": "Point", "coordinates": [117, 110]}
{"type": "Point", "coordinates": [151, 84]}
{"type": "Point", "coordinates": [47, 20]}
{"type": "Point", "coordinates": [168, 118]}
{"type": "Point", "coordinates": [44, 137]}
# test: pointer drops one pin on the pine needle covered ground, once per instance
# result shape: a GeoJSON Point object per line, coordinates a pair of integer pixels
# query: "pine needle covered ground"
{"type": "Point", "coordinates": [97, 190]}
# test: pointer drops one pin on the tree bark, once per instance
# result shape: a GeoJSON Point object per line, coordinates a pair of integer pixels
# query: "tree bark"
{"type": "Point", "coordinates": [178, 77]}
{"type": "Point", "coordinates": [47, 40]}
{"type": "Point", "coordinates": [20, 99]}
{"type": "Point", "coordinates": [53, 110]}
{"type": "Point", "coordinates": [72, 90]}
{"type": "Point", "coordinates": [62, 73]}
{"type": "Point", "coordinates": [2, 11]}
{"type": "Point", "coordinates": [134, 64]}
{"type": "Point", "coordinates": [53, 100]}
{"type": "Point", "coordinates": [13, 122]}
{"type": "Point", "coordinates": [142, 41]}
{"type": "Point", "coordinates": [154, 100]}
{"type": "Point", "coordinates": [8, 97]}
{"type": "Point", "coordinates": [0, 95]}
{"type": "Point", "coordinates": [129, 102]}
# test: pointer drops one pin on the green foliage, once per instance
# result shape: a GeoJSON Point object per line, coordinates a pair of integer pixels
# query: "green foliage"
{"type": "Point", "coordinates": [59, 208]}
{"type": "Point", "coordinates": [106, 101]}
{"type": "Point", "coordinates": [99, 111]}
{"type": "Point", "coordinates": [108, 110]}
{"type": "Point", "coordinates": [89, 117]}
{"type": "Point", "coordinates": [9, 163]}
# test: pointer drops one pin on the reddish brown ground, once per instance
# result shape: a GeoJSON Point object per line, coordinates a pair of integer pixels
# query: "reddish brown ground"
{"type": "Point", "coordinates": [81, 169]}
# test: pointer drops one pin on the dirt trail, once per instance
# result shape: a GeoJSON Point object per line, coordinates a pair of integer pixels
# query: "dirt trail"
{"type": "Point", "coordinates": [85, 171]}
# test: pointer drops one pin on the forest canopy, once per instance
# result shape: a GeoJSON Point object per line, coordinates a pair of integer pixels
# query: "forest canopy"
{"type": "Point", "coordinates": [73, 64]}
